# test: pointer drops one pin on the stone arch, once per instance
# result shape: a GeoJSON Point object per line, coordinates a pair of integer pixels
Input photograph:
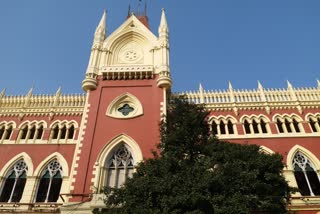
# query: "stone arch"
{"type": "Point", "coordinates": [306, 152]}
{"type": "Point", "coordinates": [44, 163]}
{"type": "Point", "coordinates": [125, 99]}
{"type": "Point", "coordinates": [131, 40]}
{"type": "Point", "coordinates": [266, 150]}
{"type": "Point", "coordinates": [16, 158]}
{"type": "Point", "coordinates": [106, 152]}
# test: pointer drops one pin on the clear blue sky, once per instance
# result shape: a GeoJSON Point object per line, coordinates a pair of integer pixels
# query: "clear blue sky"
{"type": "Point", "coordinates": [47, 43]}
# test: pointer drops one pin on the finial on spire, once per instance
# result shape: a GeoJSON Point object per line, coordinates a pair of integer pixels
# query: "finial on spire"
{"type": "Point", "coordinates": [163, 22]}
{"type": "Point", "coordinates": [318, 81]}
{"type": "Point", "coordinates": [100, 32]}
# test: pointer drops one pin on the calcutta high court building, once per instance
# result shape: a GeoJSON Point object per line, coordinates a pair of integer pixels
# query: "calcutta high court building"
{"type": "Point", "coordinates": [57, 151]}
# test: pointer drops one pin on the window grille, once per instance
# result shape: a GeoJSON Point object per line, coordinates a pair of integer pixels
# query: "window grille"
{"type": "Point", "coordinates": [120, 166]}
{"type": "Point", "coordinates": [50, 183]}
{"type": "Point", "coordinates": [14, 183]}
{"type": "Point", "coordinates": [306, 175]}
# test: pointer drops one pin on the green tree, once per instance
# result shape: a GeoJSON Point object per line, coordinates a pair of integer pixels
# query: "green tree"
{"type": "Point", "coordinates": [196, 173]}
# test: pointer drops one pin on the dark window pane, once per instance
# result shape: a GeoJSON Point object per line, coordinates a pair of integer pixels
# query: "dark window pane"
{"type": "Point", "coordinates": [313, 125]}
{"type": "Point", "coordinates": [71, 132]}
{"type": "Point", "coordinates": [32, 132]}
{"type": "Point", "coordinates": [255, 127]}
{"type": "Point", "coordinates": [40, 132]}
{"type": "Point", "coordinates": [24, 132]}
{"type": "Point", "coordinates": [279, 125]}
{"type": "Point", "coordinates": [313, 180]}
{"type": "Point", "coordinates": [263, 126]}
{"type": "Point", "coordinates": [9, 132]}
{"type": "Point", "coordinates": [247, 127]}
{"type": "Point", "coordinates": [301, 181]}
{"type": "Point", "coordinates": [43, 187]}
{"type": "Point", "coordinates": [55, 188]}
{"type": "Point", "coordinates": [1, 131]}
{"type": "Point", "coordinates": [7, 188]}
{"type": "Point", "coordinates": [222, 128]}
{"type": "Point", "coordinates": [230, 127]}
{"type": "Point", "coordinates": [63, 132]}
{"type": "Point", "coordinates": [296, 125]}
{"type": "Point", "coordinates": [55, 132]}
{"type": "Point", "coordinates": [214, 128]}
{"type": "Point", "coordinates": [287, 123]}
{"type": "Point", "coordinates": [18, 191]}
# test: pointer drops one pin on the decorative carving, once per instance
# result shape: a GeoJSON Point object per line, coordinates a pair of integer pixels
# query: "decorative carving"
{"type": "Point", "coordinates": [131, 53]}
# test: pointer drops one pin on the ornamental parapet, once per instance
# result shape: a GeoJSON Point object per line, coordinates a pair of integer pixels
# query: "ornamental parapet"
{"type": "Point", "coordinates": [41, 105]}
{"type": "Point", "coordinates": [127, 72]}
{"type": "Point", "coordinates": [261, 98]}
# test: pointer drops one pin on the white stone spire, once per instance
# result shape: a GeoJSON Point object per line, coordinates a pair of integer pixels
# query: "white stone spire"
{"type": "Point", "coordinates": [2, 93]}
{"type": "Point", "coordinates": [289, 85]}
{"type": "Point", "coordinates": [260, 87]}
{"type": "Point", "coordinates": [318, 81]}
{"type": "Point", "coordinates": [100, 33]}
{"type": "Point", "coordinates": [163, 27]}
{"type": "Point", "coordinates": [230, 86]}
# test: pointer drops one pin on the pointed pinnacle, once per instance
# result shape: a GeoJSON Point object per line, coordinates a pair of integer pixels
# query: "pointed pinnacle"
{"type": "Point", "coordinates": [260, 85]}
{"type": "Point", "coordinates": [318, 81]}
{"type": "Point", "coordinates": [101, 28]}
{"type": "Point", "coordinates": [200, 87]}
{"type": "Point", "coordinates": [58, 91]}
{"type": "Point", "coordinates": [230, 86]}
{"type": "Point", "coordinates": [163, 22]}
{"type": "Point", "coordinates": [3, 92]}
{"type": "Point", "coordinates": [30, 91]}
{"type": "Point", "coordinates": [289, 84]}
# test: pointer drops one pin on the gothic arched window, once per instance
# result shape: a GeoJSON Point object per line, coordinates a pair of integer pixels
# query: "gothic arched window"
{"type": "Point", "coordinates": [214, 128]}
{"type": "Point", "coordinates": [306, 175]}
{"type": "Point", "coordinates": [230, 127]}
{"type": "Point", "coordinates": [247, 127]}
{"type": "Point", "coordinates": [120, 165]}
{"type": "Point", "coordinates": [50, 183]}
{"type": "Point", "coordinates": [14, 183]}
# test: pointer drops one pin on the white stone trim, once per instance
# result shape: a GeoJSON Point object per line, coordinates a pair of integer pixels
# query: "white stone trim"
{"type": "Point", "coordinates": [131, 144]}
{"type": "Point", "coordinates": [13, 160]}
{"type": "Point", "coordinates": [126, 98]}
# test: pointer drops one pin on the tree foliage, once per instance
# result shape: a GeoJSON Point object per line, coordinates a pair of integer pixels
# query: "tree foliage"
{"type": "Point", "coordinates": [196, 173]}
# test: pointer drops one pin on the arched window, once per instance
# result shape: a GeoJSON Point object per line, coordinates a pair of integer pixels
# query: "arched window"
{"type": "Point", "coordinates": [50, 183]}
{"type": "Point", "coordinates": [255, 127]}
{"type": "Point", "coordinates": [287, 123]}
{"type": "Point", "coordinates": [39, 132]}
{"type": "Point", "coordinates": [247, 127]}
{"type": "Point", "coordinates": [296, 125]}
{"type": "Point", "coordinates": [55, 132]}
{"type": "Point", "coordinates": [7, 133]}
{"type": "Point", "coordinates": [23, 132]}
{"type": "Point", "coordinates": [230, 127]}
{"type": "Point", "coordinates": [279, 125]}
{"type": "Point", "coordinates": [263, 127]}
{"type": "Point", "coordinates": [1, 131]}
{"type": "Point", "coordinates": [306, 175]}
{"type": "Point", "coordinates": [71, 132]}
{"type": "Point", "coordinates": [120, 165]}
{"type": "Point", "coordinates": [312, 124]}
{"type": "Point", "coordinates": [214, 128]}
{"type": "Point", "coordinates": [14, 183]}
{"type": "Point", "coordinates": [222, 127]}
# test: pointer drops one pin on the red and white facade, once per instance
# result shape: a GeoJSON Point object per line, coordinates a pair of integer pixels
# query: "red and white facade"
{"type": "Point", "coordinates": [57, 151]}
